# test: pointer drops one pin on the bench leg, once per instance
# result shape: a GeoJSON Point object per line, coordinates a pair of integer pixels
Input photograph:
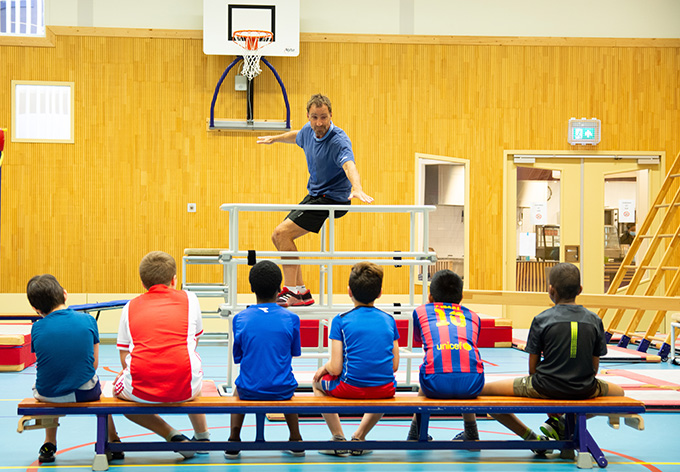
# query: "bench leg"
{"type": "Point", "coordinates": [100, 460]}
{"type": "Point", "coordinates": [588, 448]}
{"type": "Point", "coordinates": [423, 422]}
{"type": "Point", "coordinates": [259, 427]}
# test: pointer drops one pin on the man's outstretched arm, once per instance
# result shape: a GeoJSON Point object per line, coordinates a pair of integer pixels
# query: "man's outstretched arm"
{"type": "Point", "coordinates": [288, 137]}
{"type": "Point", "coordinates": [352, 173]}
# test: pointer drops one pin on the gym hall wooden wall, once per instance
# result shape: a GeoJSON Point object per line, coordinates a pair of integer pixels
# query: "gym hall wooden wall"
{"type": "Point", "coordinates": [87, 212]}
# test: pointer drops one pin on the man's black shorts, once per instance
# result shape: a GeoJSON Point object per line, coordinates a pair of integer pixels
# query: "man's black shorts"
{"type": "Point", "coordinates": [312, 220]}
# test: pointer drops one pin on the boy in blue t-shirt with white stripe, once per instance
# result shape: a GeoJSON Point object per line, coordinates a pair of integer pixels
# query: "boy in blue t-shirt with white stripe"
{"type": "Point", "coordinates": [364, 354]}
{"type": "Point", "coordinates": [266, 338]}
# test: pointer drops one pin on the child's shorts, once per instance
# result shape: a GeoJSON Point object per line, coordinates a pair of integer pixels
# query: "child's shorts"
{"type": "Point", "coordinates": [524, 387]}
{"type": "Point", "coordinates": [453, 385]}
{"type": "Point", "coordinates": [90, 391]}
{"type": "Point", "coordinates": [122, 388]}
{"type": "Point", "coordinates": [245, 394]}
{"type": "Point", "coordinates": [335, 387]}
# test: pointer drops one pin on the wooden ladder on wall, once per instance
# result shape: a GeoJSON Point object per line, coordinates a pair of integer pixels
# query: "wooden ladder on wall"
{"type": "Point", "coordinates": [669, 231]}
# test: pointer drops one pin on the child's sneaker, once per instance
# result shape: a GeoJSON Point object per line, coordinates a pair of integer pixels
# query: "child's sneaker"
{"type": "Point", "coordinates": [193, 438]}
{"type": "Point", "coordinates": [555, 428]}
{"type": "Point", "coordinates": [46, 452]}
{"type": "Point", "coordinates": [359, 452]}
{"type": "Point", "coordinates": [182, 438]}
{"type": "Point", "coordinates": [462, 436]}
{"type": "Point", "coordinates": [335, 452]}
{"type": "Point", "coordinates": [542, 452]}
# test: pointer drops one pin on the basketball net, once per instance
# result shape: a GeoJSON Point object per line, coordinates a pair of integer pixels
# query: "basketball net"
{"type": "Point", "coordinates": [252, 41]}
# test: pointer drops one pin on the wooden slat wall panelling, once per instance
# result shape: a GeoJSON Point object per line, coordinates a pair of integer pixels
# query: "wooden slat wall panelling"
{"type": "Point", "coordinates": [89, 211]}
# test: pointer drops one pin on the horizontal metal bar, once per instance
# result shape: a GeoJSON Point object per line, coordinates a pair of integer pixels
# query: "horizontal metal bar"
{"type": "Point", "coordinates": [317, 312]}
{"type": "Point", "coordinates": [348, 208]}
{"type": "Point", "coordinates": [427, 256]}
{"type": "Point", "coordinates": [351, 445]}
{"type": "Point", "coordinates": [326, 261]}
{"type": "Point", "coordinates": [249, 125]}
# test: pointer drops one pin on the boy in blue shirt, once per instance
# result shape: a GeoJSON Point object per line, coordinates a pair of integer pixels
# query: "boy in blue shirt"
{"type": "Point", "coordinates": [66, 346]}
{"type": "Point", "coordinates": [364, 354]}
{"type": "Point", "coordinates": [266, 338]}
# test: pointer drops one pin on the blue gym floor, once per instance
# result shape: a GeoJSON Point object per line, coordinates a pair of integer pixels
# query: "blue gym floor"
{"type": "Point", "coordinates": [654, 449]}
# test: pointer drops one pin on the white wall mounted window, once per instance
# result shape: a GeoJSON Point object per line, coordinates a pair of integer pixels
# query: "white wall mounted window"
{"type": "Point", "coordinates": [22, 17]}
{"type": "Point", "coordinates": [42, 111]}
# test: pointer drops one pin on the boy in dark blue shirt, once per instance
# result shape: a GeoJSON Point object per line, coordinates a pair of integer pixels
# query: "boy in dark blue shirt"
{"type": "Point", "coordinates": [266, 338]}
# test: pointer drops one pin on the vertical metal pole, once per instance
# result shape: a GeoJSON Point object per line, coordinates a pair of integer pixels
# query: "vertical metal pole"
{"type": "Point", "coordinates": [322, 274]}
{"type": "Point", "coordinates": [331, 252]}
{"type": "Point", "coordinates": [230, 350]}
{"type": "Point", "coordinates": [426, 249]}
{"type": "Point", "coordinates": [250, 104]}
{"type": "Point", "coordinates": [412, 247]}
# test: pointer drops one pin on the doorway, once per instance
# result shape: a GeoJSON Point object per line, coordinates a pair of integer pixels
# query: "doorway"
{"type": "Point", "coordinates": [444, 182]}
{"type": "Point", "coordinates": [566, 207]}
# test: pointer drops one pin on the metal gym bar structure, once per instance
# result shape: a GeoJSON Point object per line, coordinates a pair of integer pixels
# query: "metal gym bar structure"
{"type": "Point", "coordinates": [418, 256]}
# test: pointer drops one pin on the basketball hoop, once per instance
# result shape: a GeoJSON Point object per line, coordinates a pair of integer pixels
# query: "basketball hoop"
{"type": "Point", "coordinates": [252, 41]}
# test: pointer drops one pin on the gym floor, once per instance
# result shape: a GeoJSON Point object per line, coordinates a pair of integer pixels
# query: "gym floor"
{"type": "Point", "coordinates": [627, 450]}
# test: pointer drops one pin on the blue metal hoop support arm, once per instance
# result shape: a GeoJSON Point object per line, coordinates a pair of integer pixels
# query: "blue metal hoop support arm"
{"type": "Point", "coordinates": [224, 75]}
{"type": "Point", "coordinates": [283, 90]}
{"type": "Point", "coordinates": [217, 90]}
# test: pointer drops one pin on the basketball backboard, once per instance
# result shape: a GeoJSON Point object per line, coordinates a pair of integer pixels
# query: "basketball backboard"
{"type": "Point", "coordinates": [222, 17]}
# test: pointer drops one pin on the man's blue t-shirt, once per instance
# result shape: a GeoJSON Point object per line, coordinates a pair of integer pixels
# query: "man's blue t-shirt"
{"type": "Point", "coordinates": [266, 338]}
{"type": "Point", "coordinates": [367, 336]}
{"type": "Point", "coordinates": [325, 158]}
{"type": "Point", "coordinates": [63, 342]}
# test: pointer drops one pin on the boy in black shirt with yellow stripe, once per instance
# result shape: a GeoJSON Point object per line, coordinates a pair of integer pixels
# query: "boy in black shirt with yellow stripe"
{"type": "Point", "coordinates": [570, 339]}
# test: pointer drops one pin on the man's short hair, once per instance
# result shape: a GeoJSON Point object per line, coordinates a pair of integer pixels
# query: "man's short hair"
{"type": "Point", "coordinates": [566, 280]}
{"type": "Point", "coordinates": [365, 281]}
{"type": "Point", "coordinates": [446, 287]}
{"type": "Point", "coordinates": [265, 280]}
{"type": "Point", "coordinates": [319, 100]}
{"type": "Point", "coordinates": [157, 267]}
{"type": "Point", "coordinates": [45, 293]}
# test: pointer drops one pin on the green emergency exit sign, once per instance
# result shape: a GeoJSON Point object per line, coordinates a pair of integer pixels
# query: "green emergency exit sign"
{"type": "Point", "coordinates": [584, 131]}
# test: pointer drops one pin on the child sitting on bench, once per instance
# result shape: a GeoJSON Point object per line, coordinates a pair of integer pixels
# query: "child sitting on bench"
{"type": "Point", "coordinates": [66, 346]}
{"type": "Point", "coordinates": [266, 338]}
{"type": "Point", "coordinates": [570, 339]}
{"type": "Point", "coordinates": [452, 366]}
{"type": "Point", "coordinates": [364, 354]}
{"type": "Point", "coordinates": [157, 340]}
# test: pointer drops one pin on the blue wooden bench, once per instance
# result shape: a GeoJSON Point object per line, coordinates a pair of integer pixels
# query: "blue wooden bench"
{"type": "Point", "coordinates": [579, 439]}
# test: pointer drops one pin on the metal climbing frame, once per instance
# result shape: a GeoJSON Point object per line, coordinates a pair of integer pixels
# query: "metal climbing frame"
{"type": "Point", "coordinates": [327, 258]}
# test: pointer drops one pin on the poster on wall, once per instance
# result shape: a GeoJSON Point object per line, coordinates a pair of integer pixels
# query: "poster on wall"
{"type": "Point", "coordinates": [538, 213]}
{"type": "Point", "coordinates": [626, 211]}
{"type": "Point", "coordinates": [527, 245]}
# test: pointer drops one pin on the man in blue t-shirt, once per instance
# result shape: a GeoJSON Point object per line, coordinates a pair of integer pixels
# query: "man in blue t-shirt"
{"type": "Point", "coordinates": [266, 338]}
{"type": "Point", "coordinates": [364, 354]}
{"type": "Point", "coordinates": [333, 180]}
{"type": "Point", "coordinates": [66, 346]}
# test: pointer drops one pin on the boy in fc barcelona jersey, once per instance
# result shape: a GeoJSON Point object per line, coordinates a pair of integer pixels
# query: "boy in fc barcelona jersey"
{"type": "Point", "coordinates": [452, 366]}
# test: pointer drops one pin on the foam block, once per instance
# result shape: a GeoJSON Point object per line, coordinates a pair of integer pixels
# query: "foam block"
{"type": "Point", "coordinates": [15, 347]}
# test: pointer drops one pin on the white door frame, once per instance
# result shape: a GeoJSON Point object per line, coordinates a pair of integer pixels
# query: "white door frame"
{"type": "Point", "coordinates": [430, 159]}
{"type": "Point", "coordinates": [641, 157]}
